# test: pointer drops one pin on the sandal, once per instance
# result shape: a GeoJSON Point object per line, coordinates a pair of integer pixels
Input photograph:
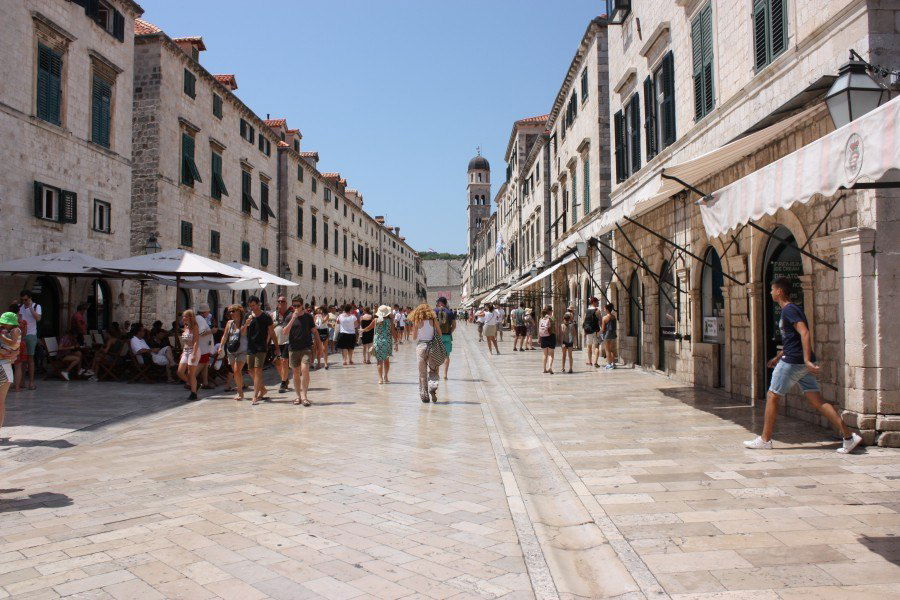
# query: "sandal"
{"type": "Point", "coordinates": [238, 398]}
{"type": "Point", "coordinates": [297, 401]}
{"type": "Point", "coordinates": [306, 402]}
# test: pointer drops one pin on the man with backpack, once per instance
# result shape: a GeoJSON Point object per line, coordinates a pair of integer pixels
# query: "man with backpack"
{"type": "Point", "coordinates": [518, 321]}
{"type": "Point", "coordinates": [591, 327]}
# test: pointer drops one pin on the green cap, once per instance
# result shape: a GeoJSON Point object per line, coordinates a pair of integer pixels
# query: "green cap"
{"type": "Point", "coordinates": [9, 318]}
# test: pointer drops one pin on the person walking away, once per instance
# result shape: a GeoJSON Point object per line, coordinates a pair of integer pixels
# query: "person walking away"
{"type": "Point", "coordinates": [10, 340]}
{"type": "Point", "coordinates": [519, 329]}
{"type": "Point", "coordinates": [322, 327]}
{"type": "Point", "coordinates": [303, 342]}
{"type": "Point", "coordinates": [384, 341]}
{"type": "Point", "coordinates": [207, 344]}
{"type": "Point", "coordinates": [234, 341]}
{"type": "Point", "coordinates": [401, 325]}
{"type": "Point", "coordinates": [479, 323]}
{"type": "Point", "coordinates": [609, 326]}
{"type": "Point", "coordinates": [567, 339]}
{"type": "Point", "coordinates": [795, 364]}
{"type": "Point", "coordinates": [425, 327]}
{"type": "Point", "coordinates": [447, 320]}
{"type": "Point", "coordinates": [530, 328]}
{"type": "Point", "coordinates": [367, 334]}
{"type": "Point", "coordinates": [547, 336]}
{"type": "Point", "coordinates": [260, 332]}
{"type": "Point", "coordinates": [280, 317]}
{"type": "Point", "coordinates": [591, 326]}
{"type": "Point", "coordinates": [331, 316]}
{"type": "Point", "coordinates": [30, 312]}
{"type": "Point", "coordinates": [501, 322]}
{"type": "Point", "coordinates": [346, 342]}
{"type": "Point", "coordinates": [491, 323]}
{"type": "Point", "coordinates": [190, 353]}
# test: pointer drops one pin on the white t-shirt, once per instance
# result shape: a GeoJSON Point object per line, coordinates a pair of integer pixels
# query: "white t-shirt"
{"type": "Point", "coordinates": [347, 324]}
{"type": "Point", "coordinates": [138, 344]}
{"type": "Point", "coordinates": [426, 332]}
{"type": "Point", "coordinates": [401, 319]}
{"type": "Point", "coordinates": [206, 341]}
{"type": "Point", "coordinates": [25, 313]}
{"type": "Point", "coordinates": [491, 318]}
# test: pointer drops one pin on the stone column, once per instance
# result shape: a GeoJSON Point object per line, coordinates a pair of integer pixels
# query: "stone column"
{"type": "Point", "coordinates": [755, 292]}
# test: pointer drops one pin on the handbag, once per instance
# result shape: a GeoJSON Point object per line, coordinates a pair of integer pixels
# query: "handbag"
{"type": "Point", "coordinates": [437, 353]}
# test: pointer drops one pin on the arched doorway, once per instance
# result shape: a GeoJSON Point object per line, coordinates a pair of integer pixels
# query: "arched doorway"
{"type": "Point", "coordinates": [46, 292]}
{"type": "Point", "coordinates": [98, 316]}
{"type": "Point", "coordinates": [668, 312]}
{"type": "Point", "coordinates": [782, 259]}
{"type": "Point", "coordinates": [713, 307]}
{"type": "Point", "coordinates": [636, 315]}
{"type": "Point", "coordinates": [182, 302]}
{"type": "Point", "coordinates": [212, 298]}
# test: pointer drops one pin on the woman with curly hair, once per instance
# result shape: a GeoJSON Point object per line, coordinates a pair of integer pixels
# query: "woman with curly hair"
{"type": "Point", "coordinates": [424, 328]}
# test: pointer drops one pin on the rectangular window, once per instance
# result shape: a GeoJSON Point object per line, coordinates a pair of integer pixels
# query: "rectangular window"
{"type": "Point", "coordinates": [187, 234]}
{"type": "Point", "coordinates": [574, 196]}
{"type": "Point", "coordinates": [312, 273]}
{"type": "Point", "coordinates": [102, 216]}
{"type": "Point", "coordinates": [299, 268]}
{"type": "Point", "coordinates": [111, 20]}
{"type": "Point", "coordinates": [247, 131]}
{"type": "Point", "coordinates": [54, 204]}
{"type": "Point", "coordinates": [345, 246]}
{"type": "Point", "coordinates": [101, 106]}
{"type": "Point", "coordinates": [217, 106]}
{"type": "Point", "coordinates": [245, 251]}
{"type": "Point", "coordinates": [214, 242]}
{"type": "Point", "coordinates": [189, 172]}
{"type": "Point", "coordinates": [247, 201]}
{"type": "Point", "coordinates": [299, 173]}
{"type": "Point", "coordinates": [49, 85]}
{"type": "Point", "coordinates": [300, 222]}
{"type": "Point", "coordinates": [335, 240]}
{"type": "Point", "coordinates": [769, 30]}
{"type": "Point", "coordinates": [190, 84]}
{"type": "Point", "coordinates": [325, 234]}
{"type": "Point", "coordinates": [296, 146]}
{"type": "Point", "coordinates": [265, 146]}
{"type": "Point", "coordinates": [264, 257]}
{"type": "Point", "coordinates": [314, 184]}
{"type": "Point", "coordinates": [313, 231]}
{"type": "Point", "coordinates": [632, 136]}
{"type": "Point", "coordinates": [327, 193]}
{"type": "Point", "coordinates": [265, 211]}
{"type": "Point", "coordinates": [702, 50]}
{"type": "Point", "coordinates": [664, 103]}
{"type": "Point", "coordinates": [325, 275]}
{"type": "Point", "coordinates": [584, 86]}
{"type": "Point", "coordinates": [345, 209]}
{"type": "Point", "coordinates": [217, 184]}
{"type": "Point", "coordinates": [587, 185]}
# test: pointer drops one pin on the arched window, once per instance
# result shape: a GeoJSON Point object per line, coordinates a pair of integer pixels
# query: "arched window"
{"type": "Point", "coordinates": [98, 316]}
{"type": "Point", "coordinates": [46, 292]}
{"type": "Point", "coordinates": [713, 302]}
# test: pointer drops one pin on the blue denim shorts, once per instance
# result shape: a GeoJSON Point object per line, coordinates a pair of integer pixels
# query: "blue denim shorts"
{"type": "Point", "coordinates": [785, 375]}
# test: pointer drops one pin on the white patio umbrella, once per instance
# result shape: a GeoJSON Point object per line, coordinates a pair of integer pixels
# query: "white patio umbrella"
{"type": "Point", "coordinates": [212, 283]}
{"type": "Point", "coordinates": [265, 278]}
{"type": "Point", "coordinates": [174, 264]}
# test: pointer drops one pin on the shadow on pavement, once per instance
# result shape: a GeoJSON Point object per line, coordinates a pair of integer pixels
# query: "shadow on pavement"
{"type": "Point", "coordinates": [33, 501]}
{"type": "Point", "coordinates": [34, 443]}
{"type": "Point", "coordinates": [887, 547]}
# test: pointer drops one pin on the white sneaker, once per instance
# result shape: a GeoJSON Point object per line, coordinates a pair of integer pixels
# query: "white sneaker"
{"type": "Point", "coordinates": [758, 444]}
{"type": "Point", "coordinates": [64, 375]}
{"type": "Point", "coordinates": [850, 444]}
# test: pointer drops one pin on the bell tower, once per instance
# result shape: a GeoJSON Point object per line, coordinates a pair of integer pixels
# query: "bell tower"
{"type": "Point", "coordinates": [479, 193]}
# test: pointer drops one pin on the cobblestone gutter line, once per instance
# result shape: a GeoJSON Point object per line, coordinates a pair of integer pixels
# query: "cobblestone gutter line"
{"type": "Point", "coordinates": [579, 557]}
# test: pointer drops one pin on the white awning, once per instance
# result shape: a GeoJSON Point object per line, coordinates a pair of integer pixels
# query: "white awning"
{"type": "Point", "coordinates": [492, 296]}
{"type": "Point", "coordinates": [862, 150]}
{"type": "Point", "coordinates": [657, 189]}
{"type": "Point", "coordinates": [545, 273]}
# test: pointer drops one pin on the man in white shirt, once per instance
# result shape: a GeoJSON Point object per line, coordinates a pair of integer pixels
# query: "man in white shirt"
{"type": "Point", "coordinates": [160, 356]}
{"type": "Point", "coordinates": [30, 312]}
{"type": "Point", "coordinates": [501, 315]}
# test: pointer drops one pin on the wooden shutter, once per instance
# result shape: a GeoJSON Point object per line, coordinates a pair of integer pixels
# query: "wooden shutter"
{"type": "Point", "coordinates": [650, 117]}
{"type": "Point", "coordinates": [708, 94]}
{"type": "Point", "coordinates": [778, 26]}
{"type": "Point", "coordinates": [635, 134]}
{"type": "Point", "coordinates": [587, 186]}
{"type": "Point", "coordinates": [39, 199]}
{"type": "Point", "coordinates": [100, 111]}
{"type": "Point", "coordinates": [68, 207]}
{"type": "Point", "coordinates": [118, 26]}
{"type": "Point", "coordinates": [49, 86]}
{"type": "Point", "coordinates": [760, 45]}
{"type": "Point", "coordinates": [668, 116]}
{"type": "Point", "coordinates": [697, 56]}
{"type": "Point", "coordinates": [619, 134]}
{"type": "Point", "coordinates": [300, 222]}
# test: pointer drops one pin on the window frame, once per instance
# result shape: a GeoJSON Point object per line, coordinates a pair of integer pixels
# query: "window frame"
{"type": "Point", "coordinates": [217, 106]}
{"type": "Point", "coordinates": [215, 242]}
{"type": "Point", "coordinates": [49, 84]}
{"type": "Point", "coordinates": [97, 120]}
{"type": "Point", "coordinates": [245, 251]}
{"type": "Point", "coordinates": [101, 204]}
{"type": "Point", "coordinates": [189, 84]}
{"type": "Point", "coordinates": [186, 238]}
{"type": "Point", "coordinates": [216, 181]}
{"type": "Point", "coordinates": [189, 172]}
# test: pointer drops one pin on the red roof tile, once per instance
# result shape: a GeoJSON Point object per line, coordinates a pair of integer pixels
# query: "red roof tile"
{"type": "Point", "coordinates": [314, 155]}
{"type": "Point", "coordinates": [193, 39]}
{"type": "Point", "coordinates": [537, 119]}
{"type": "Point", "coordinates": [335, 176]}
{"type": "Point", "coordinates": [283, 144]}
{"type": "Point", "coordinates": [229, 80]}
{"type": "Point", "coordinates": [142, 27]}
{"type": "Point", "coordinates": [276, 122]}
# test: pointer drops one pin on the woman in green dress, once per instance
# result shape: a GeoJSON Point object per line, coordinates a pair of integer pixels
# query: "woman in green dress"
{"type": "Point", "coordinates": [384, 340]}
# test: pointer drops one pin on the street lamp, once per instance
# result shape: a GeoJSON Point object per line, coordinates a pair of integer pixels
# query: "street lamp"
{"type": "Point", "coordinates": [152, 246]}
{"type": "Point", "coordinates": [853, 94]}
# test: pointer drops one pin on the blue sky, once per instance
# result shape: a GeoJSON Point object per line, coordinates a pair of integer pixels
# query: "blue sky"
{"type": "Point", "coordinates": [394, 94]}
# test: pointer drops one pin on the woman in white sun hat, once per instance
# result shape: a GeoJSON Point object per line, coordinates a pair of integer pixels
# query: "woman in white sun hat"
{"type": "Point", "coordinates": [385, 333]}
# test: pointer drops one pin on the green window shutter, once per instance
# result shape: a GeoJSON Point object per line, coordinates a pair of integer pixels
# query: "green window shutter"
{"type": "Point", "coordinates": [217, 107]}
{"type": "Point", "coordinates": [300, 222]}
{"type": "Point", "coordinates": [697, 57]}
{"type": "Point", "coordinates": [574, 196]}
{"type": "Point", "coordinates": [100, 111]}
{"type": "Point", "coordinates": [215, 167]}
{"type": "Point", "coordinates": [38, 199]}
{"type": "Point", "coordinates": [619, 134]}
{"type": "Point", "coordinates": [187, 234]}
{"type": "Point", "coordinates": [778, 26]}
{"type": "Point", "coordinates": [650, 117]}
{"type": "Point", "coordinates": [190, 84]}
{"type": "Point", "coordinates": [189, 172]}
{"type": "Point", "coordinates": [587, 186]}
{"type": "Point", "coordinates": [119, 26]}
{"type": "Point", "coordinates": [68, 207]}
{"type": "Point", "coordinates": [635, 133]}
{"type": "Point", "coordinates": [49, 85]}
{"type": "Point", "coordinates": [709, 100]}
{"type": "Point", "coordinates": [245, 251]}
{"type": "Point", "coordinates": [761, 47]}
{"type": "Point", "coordinates": [668, 116]}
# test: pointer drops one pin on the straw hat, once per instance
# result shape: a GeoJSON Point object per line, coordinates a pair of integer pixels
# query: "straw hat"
{"type": "Point", "coordinates": [383, 311]}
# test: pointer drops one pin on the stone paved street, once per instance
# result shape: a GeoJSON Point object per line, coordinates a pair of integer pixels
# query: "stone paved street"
{"type": "Point", "coordinates": [515, 485]}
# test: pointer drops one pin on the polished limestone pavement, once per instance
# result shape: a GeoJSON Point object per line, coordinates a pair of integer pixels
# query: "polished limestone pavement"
{"type": "Point", "coordinates": [514, 485]}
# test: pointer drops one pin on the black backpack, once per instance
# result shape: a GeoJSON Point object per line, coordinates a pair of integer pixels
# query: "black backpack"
{"type": "Point", "coordinates": [591, 323]}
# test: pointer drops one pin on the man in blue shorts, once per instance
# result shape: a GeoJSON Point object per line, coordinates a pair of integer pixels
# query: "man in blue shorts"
{"type": "Point", "coordinates": [795, 364]}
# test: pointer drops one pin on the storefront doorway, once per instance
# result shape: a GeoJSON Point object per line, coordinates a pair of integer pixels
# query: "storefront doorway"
{"type": "Point", "coordinates": [98, 306]}
{"type": "Point", "coordinates": [667, 312]}
{"type": "Point", "coordinates": [636, 315]}
{"type": "Point", "coordinates": [782, 259]}
{"type": "Point", "coordinates": [46, 292]}
{"type": "Point", "coordinates": [713, 308]}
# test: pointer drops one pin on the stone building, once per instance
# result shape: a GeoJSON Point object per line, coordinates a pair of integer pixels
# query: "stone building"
{"type": "Point", "coordinates": [65, 118]}
{"type": "Point", "coordinates": [704, 95]}
{"type": "Point", "coordinates": [444, 279]}
{"type": "Point", "coordinates": [213, 177]}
